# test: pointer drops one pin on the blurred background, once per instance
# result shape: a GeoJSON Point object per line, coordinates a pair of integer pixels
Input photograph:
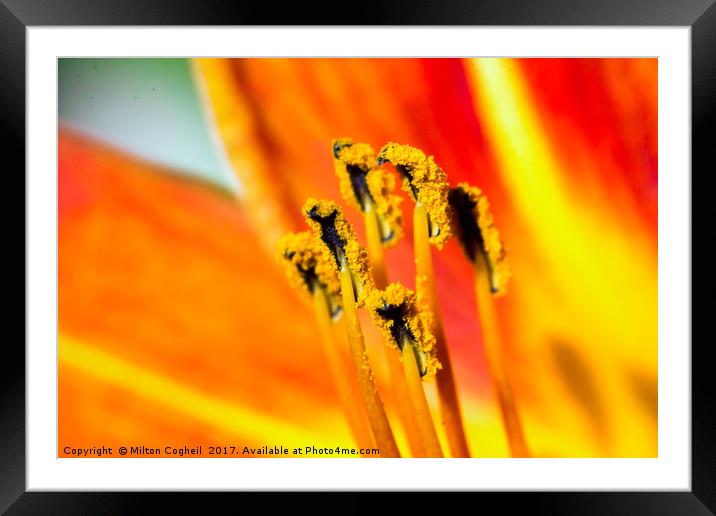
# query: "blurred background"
{"type": "Point", "coordinates": [147, 107]}
{"type": "Point", "coordinates": [177, 176]}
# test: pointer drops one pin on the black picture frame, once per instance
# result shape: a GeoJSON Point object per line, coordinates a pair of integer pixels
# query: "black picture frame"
{"type": "Point", "coordinates": [17, 15]}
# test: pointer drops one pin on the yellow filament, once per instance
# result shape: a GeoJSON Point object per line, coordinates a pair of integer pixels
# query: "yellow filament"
{"type": "Point", "coordinates": [425, 287]}
{"type": "Point", "coordinates": [397, 385]}
{"type": "Point", "coordinates": [401, 395]}
{"type": "Point", "coordinates": [348, 392]}
{"type": "Point", "coordinates": [375, 246]}
{"type": "Point", "coordinates": [419, 403]}
{"type": "Point", "coordinates": [382, 432]}
{"type": "Point", "coordinates": [495, 364]}
{"type": "Point", "coordinates": [387, 205]}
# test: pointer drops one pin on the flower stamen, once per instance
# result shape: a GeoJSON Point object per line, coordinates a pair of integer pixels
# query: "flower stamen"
{"type": "Point", "coordinates": [327, 221]}
{"type": "Point", "coordinates": [425, 182]}
{"type": "Point", "coordinates": [329, 225]}
{"type": "Point", "coordinates": [397, 314]}
{"type": "Point", "coordinates": [481, 242]}
{"type": "Point", "coordinates": [477, 233]}
{"type": "Point", "coordinates": [367, 187]}
{"type": "Point", "coordinates": [407, 329]}
{"type": "Point", "coordinates": [309, 266]}
{"type": "Point", "coordinates": [427, 185]}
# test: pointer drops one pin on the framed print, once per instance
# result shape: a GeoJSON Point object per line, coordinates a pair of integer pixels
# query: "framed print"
{"type": "Point", "coordinates": [360, 258]}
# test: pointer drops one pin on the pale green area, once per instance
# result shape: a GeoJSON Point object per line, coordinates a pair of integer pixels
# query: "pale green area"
{"type": "Point", "coordinates": [147, 107]}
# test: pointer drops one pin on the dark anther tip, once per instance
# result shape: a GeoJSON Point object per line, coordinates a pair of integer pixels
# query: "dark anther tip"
{"type": "Point", "coordinates": [339, 146]}
{"type": "Point", "coordinates": [384, 309]}
{"type": "Point", "coordinates": [382, 160]}
{"type": "Point", "coordinates": [314, 215]}
{"type": "Point", "coordinates": [388, 237]}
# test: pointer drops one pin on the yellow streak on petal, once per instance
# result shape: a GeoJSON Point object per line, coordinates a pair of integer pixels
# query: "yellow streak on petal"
{"type": "Point", "coordinates": [605, 276]}
{"type": "Point", "coordinates": [189, 401]}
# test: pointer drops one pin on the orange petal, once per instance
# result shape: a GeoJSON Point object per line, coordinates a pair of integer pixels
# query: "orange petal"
{"type": "Point", "coordinates": [163, 294]}
{"type": "Point", "coordinates": [248, 147]}
{"type": "Point", "coordinates": [584, 260]}
{"type": "Point", "coordinates": [566, 152]}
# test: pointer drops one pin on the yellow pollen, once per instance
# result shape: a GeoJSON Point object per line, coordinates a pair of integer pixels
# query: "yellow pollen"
{"type": "Point", "coordinates": [304, 259]}
{"type": "Point", "coordinates": [356, 256]}
{"type": "Point", "coordinates": [379, 185]}
{"type": "Point", "coordinates": [426, 184]}
{"type": "Point", "coordinates": [386, 204]}
{"type": "Point", "coordinates": [416, 321]}
{"type": "Point", "coordinates": [492, 245]}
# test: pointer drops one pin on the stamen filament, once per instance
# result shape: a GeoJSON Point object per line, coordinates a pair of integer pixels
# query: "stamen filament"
{"type": "Point", "coordinates": [375, 246]}
{"type": "Point", "coordinates": [493, 354]}
{"type": "Point", "coordinates": [397, 383]}
{"type": "Point", "coordinates": [425, 287]}
{"type": "Point", "coordinates": [348, 391]}
{"type": "Point", "coordinates": [419, 403]}
{"type": "Point", "coordinates": [401, 395]}
{"type": "Point", "coordinates": [382, 431]}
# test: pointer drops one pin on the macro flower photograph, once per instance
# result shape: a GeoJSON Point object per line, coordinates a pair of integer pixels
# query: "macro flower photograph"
{"type": "Point", "coordinates": [358, 257]}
